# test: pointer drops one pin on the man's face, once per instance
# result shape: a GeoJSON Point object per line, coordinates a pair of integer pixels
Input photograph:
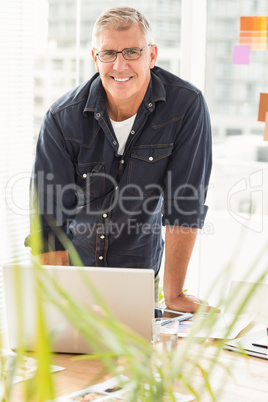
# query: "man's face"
{"type": "Point", "coordinates": [124, 80]}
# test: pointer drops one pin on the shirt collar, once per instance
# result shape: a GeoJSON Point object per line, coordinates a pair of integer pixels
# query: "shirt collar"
{"type": "Point", "coordinates": [96, 96]}
{"type": "Point", "coordinates": [155, 92]}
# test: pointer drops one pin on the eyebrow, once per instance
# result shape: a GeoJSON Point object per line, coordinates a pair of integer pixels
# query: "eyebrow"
{"type": "Point", "coordinates": [125, 48]}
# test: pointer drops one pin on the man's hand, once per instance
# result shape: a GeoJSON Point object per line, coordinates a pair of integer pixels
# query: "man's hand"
{"type": "Point", "coordinates": [188, 304]}
{"type": "Point", "coordinates": [59, 257]}
{"type": "Point", "coordinates": [179, 245]}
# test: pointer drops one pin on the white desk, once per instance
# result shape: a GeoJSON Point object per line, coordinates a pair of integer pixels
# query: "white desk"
{"type": "Point", "coordinates": [248, 381]}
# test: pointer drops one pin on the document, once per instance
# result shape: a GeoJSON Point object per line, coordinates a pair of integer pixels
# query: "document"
{"type": "Point", "coordinates": [111, 390]}
{"type": "Point", "coordinates": [25, 370]}
{"type": "Point", "coordinates": [226, 326]}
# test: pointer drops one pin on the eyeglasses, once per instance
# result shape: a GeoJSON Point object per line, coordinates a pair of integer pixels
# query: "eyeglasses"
{"type": "Point", "coordinates": [131, 53]}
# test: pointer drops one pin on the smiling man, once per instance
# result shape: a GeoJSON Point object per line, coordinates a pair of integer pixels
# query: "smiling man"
{"type": "Point", "coordinates": [121, 156]}
{"type": "Point", "coordinates": [126, 78]}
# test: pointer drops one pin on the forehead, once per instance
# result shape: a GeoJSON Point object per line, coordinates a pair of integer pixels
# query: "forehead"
{"type": "Point", "coordinates": [117, 40]}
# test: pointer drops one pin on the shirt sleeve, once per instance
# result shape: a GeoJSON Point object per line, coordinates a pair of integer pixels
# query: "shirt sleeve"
{"type": "Point", "coordinates": [189, 168]}
{"type": "Point", "coordinates": [52, 192]}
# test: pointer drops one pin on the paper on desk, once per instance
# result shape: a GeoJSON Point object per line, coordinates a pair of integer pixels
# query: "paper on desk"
{"type": "Point", "coordinates": [104, 391]}
{"type": "Point", "coordinates": [26, 369]}
{"type": "Point", "coordinates": [110, 391]}
{"type": "Point", "coordinates": [220, 328]}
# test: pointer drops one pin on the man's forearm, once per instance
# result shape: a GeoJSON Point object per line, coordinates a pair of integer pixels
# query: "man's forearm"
{"type": "Point", "coordinates": [179, 244]}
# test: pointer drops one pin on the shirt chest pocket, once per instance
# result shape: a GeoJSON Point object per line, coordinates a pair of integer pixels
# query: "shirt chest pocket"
{"type": "Point", "coordinates": [147, 168]}
{"type": "Point", "coordinates": [90, 180]}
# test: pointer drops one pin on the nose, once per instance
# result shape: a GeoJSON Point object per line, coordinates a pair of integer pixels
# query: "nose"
{"type": "Point", "coordinates": [120, 63]}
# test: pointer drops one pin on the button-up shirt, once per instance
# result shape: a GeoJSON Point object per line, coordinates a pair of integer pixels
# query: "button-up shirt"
{"type": "Point", "coordinates": [112, 207]}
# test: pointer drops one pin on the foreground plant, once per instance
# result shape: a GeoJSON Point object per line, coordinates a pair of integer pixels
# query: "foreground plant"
{"type": "Point", "coordinates": [152, 375]}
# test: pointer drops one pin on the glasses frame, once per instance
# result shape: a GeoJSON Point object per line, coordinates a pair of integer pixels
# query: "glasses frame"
{"type": "Point", "coordinates": [122, 51]}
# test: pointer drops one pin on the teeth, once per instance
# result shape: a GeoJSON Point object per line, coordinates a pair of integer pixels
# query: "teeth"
{"type": "Point", "coordinates": [121, 79]}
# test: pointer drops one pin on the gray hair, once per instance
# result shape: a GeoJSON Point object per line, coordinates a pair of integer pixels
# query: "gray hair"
{"type": "Point", "coordinates": [121, 19]}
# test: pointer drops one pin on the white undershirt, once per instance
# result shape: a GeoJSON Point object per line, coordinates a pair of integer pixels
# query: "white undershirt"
{"type": "Point", "coordinates": [122, 130]}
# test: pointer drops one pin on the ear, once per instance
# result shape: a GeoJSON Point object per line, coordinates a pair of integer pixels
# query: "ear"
{"type": "Point", "coordinates": [153, 55]}
{"type": "Point", "coordinates": [95, 59]}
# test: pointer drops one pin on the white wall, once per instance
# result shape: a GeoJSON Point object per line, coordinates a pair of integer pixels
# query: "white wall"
{"type": "Point", "coordinates": [233, 250]}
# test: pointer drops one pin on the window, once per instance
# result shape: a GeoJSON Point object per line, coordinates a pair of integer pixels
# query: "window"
{"type": "Point", "coordinates": [233, 91]}
{"type": "Point", "coordinates": [238, 197]}
{"type": "Point", "coordinates": [57, 64]}
{"type": "Point", "coordinates": [233, 131]}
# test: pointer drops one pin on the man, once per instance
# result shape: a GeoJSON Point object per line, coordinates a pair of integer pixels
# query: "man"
{"type": "Point", "coordinates": [122, 155]}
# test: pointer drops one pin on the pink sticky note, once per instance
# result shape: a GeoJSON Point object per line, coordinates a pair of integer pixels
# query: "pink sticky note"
{"type": "Point", "coordinates": [241, 54]}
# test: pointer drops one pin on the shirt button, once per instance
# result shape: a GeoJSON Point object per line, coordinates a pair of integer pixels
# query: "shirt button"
{"type": "Point", "coordinates": [150, 104]}
{"type": "Point", "coordinates": [114, 142]}
{"type": "Point", "coordinates": [85, 175]}
{"type": "Point", "coordinates": [100, 257]}
{"type": "Point", "coordinates": [102, 237]}
{"type": "Point", "coordinates": [132, 132]}
{"type": "Point", "coordinates": [151, 158]}
{"type": "Point", "coordinates": [122, 161]}
{"type": "Point", "coordinates": [97, 114]}
{"type": "Point", "coordinates": [105, 215]}
{"type": "Point", "coordinates": [116, 188]}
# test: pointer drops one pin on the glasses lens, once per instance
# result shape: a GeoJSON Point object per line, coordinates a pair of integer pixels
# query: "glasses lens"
{"type": "Point", "coordinates": [132, 53]}
{"type": "Point", "coordinates": [107, 56]}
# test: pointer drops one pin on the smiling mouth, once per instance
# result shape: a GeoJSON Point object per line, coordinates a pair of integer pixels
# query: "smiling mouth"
{"type": "Point", "coordinates": [122, 79]}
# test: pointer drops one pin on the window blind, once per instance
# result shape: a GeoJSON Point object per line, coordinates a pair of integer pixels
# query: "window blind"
{"type": "Point", "coordinates": [16, 123]}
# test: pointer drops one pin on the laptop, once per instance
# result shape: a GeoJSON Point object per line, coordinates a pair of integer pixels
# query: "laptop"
{"type": "Point", "coordinates": [128, 292]}
{"type": "Point", "coordinates": [261, 342]}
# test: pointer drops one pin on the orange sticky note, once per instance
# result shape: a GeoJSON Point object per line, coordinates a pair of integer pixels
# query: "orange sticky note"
{"type": "Point", "coordinates": [263, 106]}
{"type": "Point", "coordinates": [255, 23]}
{"type": "Point", "coordinates": [265, 137]}
{"type": "Point", "coordinates": [245, 23]}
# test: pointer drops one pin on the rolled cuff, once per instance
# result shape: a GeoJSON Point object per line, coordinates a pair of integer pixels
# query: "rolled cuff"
{"type": "Point", "coordinates": [187, 214]}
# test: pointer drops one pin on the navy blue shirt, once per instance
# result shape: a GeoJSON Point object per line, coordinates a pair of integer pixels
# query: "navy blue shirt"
{"type": "Point", "coordinates": [112, 207]}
